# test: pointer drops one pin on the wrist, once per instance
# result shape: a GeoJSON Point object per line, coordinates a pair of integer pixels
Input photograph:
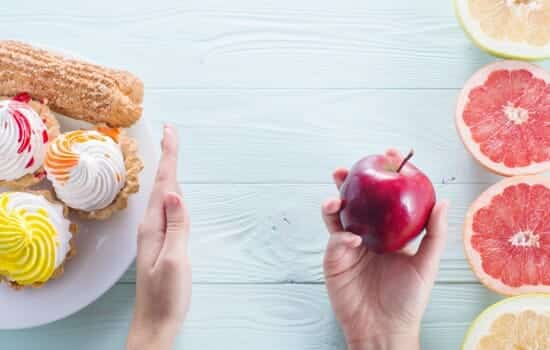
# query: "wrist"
{"type": "Point", "coordinates": [151, 335]}
{"type": "Point", "coordinates": [387, 342]}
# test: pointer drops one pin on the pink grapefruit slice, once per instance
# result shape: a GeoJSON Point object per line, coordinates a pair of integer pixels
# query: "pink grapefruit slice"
{"type": "Point", "coordinates": [503, 118]}
{"type": "Point", "coordinates": [507, 236]}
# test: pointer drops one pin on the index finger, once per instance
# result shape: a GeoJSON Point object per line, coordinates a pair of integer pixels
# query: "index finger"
{"type": "Point", "coordinates": [339, 176]}
{"type": "Point", "coordinates": [166, 178]}
{"type": "Point", "coordinates": [167, 169]}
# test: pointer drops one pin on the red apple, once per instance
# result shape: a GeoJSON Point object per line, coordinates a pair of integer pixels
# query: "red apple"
{"type": "Point", "coordinates": [387, 201]}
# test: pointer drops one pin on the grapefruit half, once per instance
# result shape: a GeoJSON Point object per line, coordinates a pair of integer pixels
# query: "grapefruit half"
{"type": "Point", "coordinates": [503, 118]}
{"type": "Point", "coordinates": [521, 322]}
{"type": "Point", "coordinates": [507, 236]}
{"type": "Point", "coordinates": [507, 28]}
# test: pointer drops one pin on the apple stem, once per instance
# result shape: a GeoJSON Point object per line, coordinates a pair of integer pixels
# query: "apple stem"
{"type": "Point", "coordinates": [407, 158]}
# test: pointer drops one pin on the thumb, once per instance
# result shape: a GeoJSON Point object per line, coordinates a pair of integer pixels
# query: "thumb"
{"type": "Point", "coordinates": [176, 218]}
{"type": "Point", "coordinates": [177, 227]}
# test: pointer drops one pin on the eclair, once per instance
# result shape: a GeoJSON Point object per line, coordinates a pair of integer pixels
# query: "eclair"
{"type": "Point", "coordinates": [75, 88]}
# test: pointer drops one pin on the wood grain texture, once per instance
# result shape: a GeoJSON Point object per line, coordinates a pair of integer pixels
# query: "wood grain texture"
{"type": "Point", "coordinates": [269, 97]}
{"type": "Point", "coordinates": [289, 136]}
{"type": "Point", "coordinates": [227, 317]}
{"type": "Point", "coordinates": [259, 43]}
{"type": "Point", "coordinates": [274, 233]}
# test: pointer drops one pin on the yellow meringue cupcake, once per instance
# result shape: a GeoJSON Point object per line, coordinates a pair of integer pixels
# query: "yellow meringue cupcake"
{"type": "Point", "coordinates": [94, 171]}
{"type": "Point", "coordinates": [36, 238]}
{"type": "Point", "coordinates": [26, 127]}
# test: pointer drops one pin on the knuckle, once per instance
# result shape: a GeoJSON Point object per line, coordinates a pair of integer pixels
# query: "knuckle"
{"type": "Point", "coordinates": [162, 176]}
{"type": "Point", "coordinates": [149, 273]}
{"type": "Point", "coordinates": [143, 229]}
{"type": "Point", "coordinates": [153, 278]}
{"type": "Point", "coordinates": [172, 263]}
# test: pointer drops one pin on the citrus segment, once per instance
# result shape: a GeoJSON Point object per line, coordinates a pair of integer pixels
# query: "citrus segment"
{"type": "Point", "coordinates": [503, 118]}
{"type": "Point", "coordinates": [507, 236]}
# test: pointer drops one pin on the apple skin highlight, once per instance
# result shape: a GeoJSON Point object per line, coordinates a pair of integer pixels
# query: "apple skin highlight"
{"type": "Point", "coordinates": [386, 207]}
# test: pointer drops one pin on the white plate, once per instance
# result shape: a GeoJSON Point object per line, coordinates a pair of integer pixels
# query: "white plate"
{"type": "Point", "coordinates": [105, 250]}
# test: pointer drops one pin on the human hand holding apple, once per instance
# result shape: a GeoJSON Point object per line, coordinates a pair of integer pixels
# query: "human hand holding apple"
{"type": "Point", "coordinates": [379, 299]}
{"type": "Point", "coordinates": [387, 201]}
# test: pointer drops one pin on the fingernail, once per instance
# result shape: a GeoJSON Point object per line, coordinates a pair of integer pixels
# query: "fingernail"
{"type": "Point", "coordinates": [357, 241]}
{"type": "Point", "coordinates": [163, 135]}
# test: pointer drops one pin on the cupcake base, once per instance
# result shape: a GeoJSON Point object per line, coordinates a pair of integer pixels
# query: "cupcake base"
{"type": "Point", "coordinates": [73, 228]}
{"type": "Point", "coordinates": [52, 124]}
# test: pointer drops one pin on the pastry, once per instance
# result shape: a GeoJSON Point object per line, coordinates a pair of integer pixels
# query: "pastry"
{"type": "Point", "coordinates": [36, 238]}
{"type": "Point", "coordinates": [26, 127]}
{"type": "Point", "coordinates": [74, 88]}
{"type": "Point", "coordinates": [94, 171]}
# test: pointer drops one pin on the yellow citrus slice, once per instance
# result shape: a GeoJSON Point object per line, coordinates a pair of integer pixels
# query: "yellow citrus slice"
{"type": "Point", "coordinates": [508, 28]}
{"type": "Point", "coordinates": [521, 322]}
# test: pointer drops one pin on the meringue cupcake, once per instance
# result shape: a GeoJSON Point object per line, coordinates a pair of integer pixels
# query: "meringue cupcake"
{"type": "Point", "coordinates": [94, 171]}
{"type": "Point", "coordinates": [36, 238]}
{"type": "Point", "coordinates": [26, 127]}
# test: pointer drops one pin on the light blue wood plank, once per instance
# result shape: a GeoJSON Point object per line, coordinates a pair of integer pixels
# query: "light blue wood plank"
{"type": "Point", "coordinates": [293, 317]}
{"type": "Point", "coordinates": [274, 233]}
{"type": "Point", "coordinates": [289, 136]}
{"type": "Point", "coordinates": [259, 43]}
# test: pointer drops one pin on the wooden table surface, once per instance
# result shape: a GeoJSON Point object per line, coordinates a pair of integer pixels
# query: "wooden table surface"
{"type": "Point", "coordinates": [269, 97]}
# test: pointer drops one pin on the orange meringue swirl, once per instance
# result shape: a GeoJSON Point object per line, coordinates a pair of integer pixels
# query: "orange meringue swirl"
{"type": "Point", "coordinates": [86, 168]}
{"type": "Point", "coordinates": [61, 159]}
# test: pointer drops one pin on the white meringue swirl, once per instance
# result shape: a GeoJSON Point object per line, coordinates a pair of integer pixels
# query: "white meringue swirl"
{"type": "Point", "coordinates": [86, 169]}
{"type": "Point", "coordinates": [23, 140]}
